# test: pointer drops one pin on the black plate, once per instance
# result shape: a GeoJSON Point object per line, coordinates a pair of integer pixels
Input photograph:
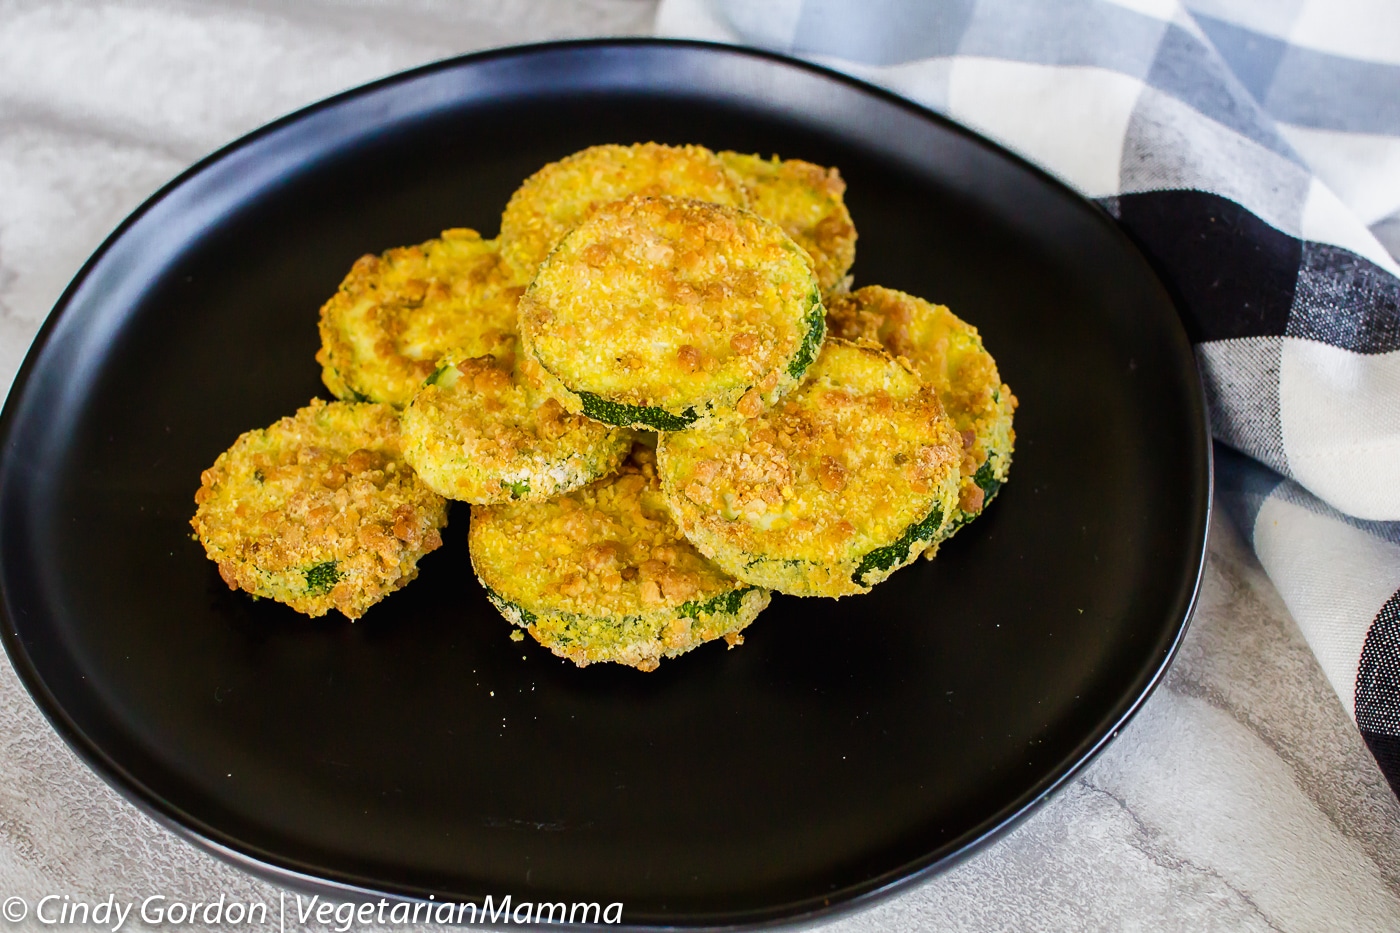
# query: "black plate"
{"type": "Point", "coordinates": [846, 746]}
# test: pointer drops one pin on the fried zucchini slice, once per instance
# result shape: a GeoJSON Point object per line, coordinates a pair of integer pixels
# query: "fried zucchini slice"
{"type": "Point", "coordinates": [319, 511]}
{"type": "Point", "coordinates": [603, 574]}
{"type": "Point", "coordinates": [663, 313]}
{"type": "Point", "coordinates": [561, 195]}
{"type": "Point", "coordinates": [808, 202]}
{"type": "Point", "coordinates": [947, 353]}
{"type": "Point", "coordinates": [827, 494]}
{"type": "Point", "coordinates": [479, 431]}
{"type": "Point", "coordinates": [396, 314]}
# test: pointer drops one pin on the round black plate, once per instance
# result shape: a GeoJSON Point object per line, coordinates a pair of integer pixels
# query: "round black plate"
{"type": "Point", "coordinates": [846, 746]}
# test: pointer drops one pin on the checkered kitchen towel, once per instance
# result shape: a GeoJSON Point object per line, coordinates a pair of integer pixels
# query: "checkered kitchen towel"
{"type": "Point", "coordinates": [1252, 150]}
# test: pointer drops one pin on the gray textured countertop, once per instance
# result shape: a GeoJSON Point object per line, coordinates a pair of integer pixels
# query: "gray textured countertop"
{"type": "Point", "coordinates": [1240, 798]}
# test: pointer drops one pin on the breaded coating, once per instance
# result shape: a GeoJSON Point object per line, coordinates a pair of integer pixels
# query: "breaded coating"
{"type": "Point", "coordinates": [662, 313]}
{"type": "Point", "coordinates": [603, 574]}
{"type": "Point", "coordinates": [808, 202]}
{"type": "Point", "coordinates": [841, 484]}
{"type": "Point", "coordinates": [481, 432]}
{"type": "Point", "coordinates": [561, 195]}
{"type": "Point", "coordinates": [395, 315]}
{"type": "Point", "coordinates": [319, 511]}
{"type": "Point", "coordinates": [947, 353]}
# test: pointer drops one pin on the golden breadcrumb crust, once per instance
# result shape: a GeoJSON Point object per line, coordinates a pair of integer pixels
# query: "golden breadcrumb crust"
{"type": "Point", "coordinates": [318, 511]}
{"type": "Point", "coordinates": [561, 195]}
{"type": "Point", "coordinates": [479, 431]}
{"type": "Point", "coordinates": [808, 202]}
{"type": "Point", "coordinates": [396, 314]}
{"type": "Point", "coordinates": [947, 353]}
{"type": "Point", "coordinates": [603, 574]}
{"type": "Point", "coordinates": [669, 311]}
{"type": "Point", "coordinates": [827, 494]}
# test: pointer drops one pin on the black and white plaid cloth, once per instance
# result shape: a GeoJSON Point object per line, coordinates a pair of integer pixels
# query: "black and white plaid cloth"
{"type": "Point", "coordinates": [1251, 148]}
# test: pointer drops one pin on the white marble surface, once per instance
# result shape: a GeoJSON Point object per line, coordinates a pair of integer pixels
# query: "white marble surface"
{"type": "Point", "coordinates": [1240, 798]}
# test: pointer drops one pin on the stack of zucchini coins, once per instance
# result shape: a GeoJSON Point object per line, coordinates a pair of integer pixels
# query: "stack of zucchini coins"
{"type": "Point", "coordinates": [663, 401]}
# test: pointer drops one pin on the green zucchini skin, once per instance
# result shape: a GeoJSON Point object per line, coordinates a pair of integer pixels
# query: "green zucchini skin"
{"type": "Point", "coordinates": [688, 369]}
{"type": "Point", "coordinates": [266, 507]}
{"type": "Point", "coordinates": [811, 345]}
{"type": "Point", "coordinates": [450, 427]}
{"type": "Point", "coordinates": [881, 562]}
{"type": "Point", "coordinates": [830, 492]}
{"type": "Point", "coordinates": [603, 575]}
{"type": "Point", "coordinates": [948, 354]}
{"type": "Point", "coordinates": [663, 420]}
{"type": "Point", "coordinates": [587, 639]}
{"type": "Point", "coordinates": [635, 416]}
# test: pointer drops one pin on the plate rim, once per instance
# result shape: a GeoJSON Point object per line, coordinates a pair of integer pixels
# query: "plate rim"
{"type": "Point", "coordinates": [288, 872]}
